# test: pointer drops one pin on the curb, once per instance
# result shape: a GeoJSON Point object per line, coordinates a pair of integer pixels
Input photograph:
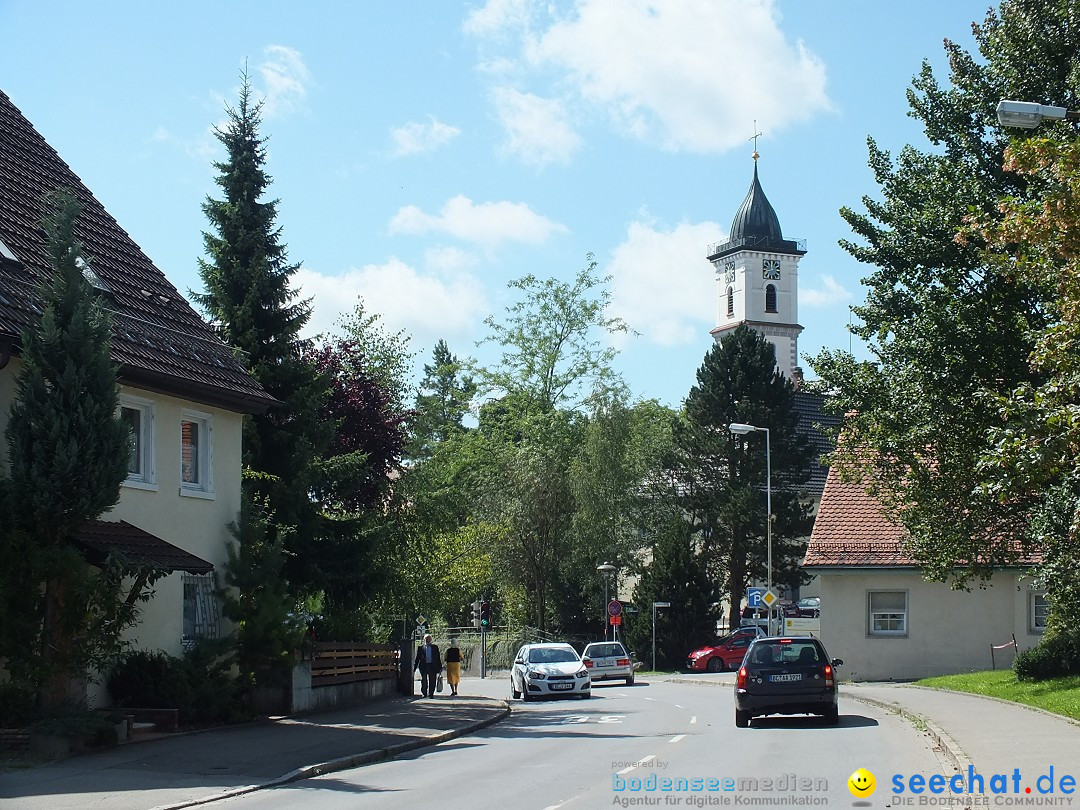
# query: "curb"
{"type": "Point", "coordinates": [351, 761]}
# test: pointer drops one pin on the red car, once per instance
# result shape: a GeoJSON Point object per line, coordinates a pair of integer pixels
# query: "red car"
{"type": "Point", "coordinates": [725, 654]}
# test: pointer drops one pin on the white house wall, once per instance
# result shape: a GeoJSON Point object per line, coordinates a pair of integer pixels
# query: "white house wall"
{"type": "Point", "coordinates": [948, 631]}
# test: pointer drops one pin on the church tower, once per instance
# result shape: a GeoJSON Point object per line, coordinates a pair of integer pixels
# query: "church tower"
{"type": "Point", "coordinates": [757, 274]}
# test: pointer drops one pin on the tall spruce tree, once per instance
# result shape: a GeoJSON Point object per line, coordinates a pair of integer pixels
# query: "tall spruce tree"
{"type": "Point", "coordinates": [723, 477]}
{"type": "Point", "coordinates": [947, 328]}
{"type": "Point", "coordinates": [68, 453]}
{"type": "Point", "coordinates": [250, 300]}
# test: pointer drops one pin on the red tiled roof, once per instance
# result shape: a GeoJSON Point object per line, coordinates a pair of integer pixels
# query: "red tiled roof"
{"type": "Point", "coordinates": [852, 529]}
{"type": "Point", "coordinates": [159, 341]}
{"type": "Point", "coordinates": [133, 545]}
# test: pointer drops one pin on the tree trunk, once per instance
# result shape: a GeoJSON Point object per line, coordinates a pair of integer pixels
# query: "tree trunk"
{"type": "Point", "coordinates": [58, 687]}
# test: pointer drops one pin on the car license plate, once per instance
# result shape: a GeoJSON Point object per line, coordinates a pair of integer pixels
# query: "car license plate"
{"type": "Point", "coordinates": [793, 676]}
{"type": "Point", "coordinates": [562, 685]}
{"type": "Point", "coordinates": [603, 663]}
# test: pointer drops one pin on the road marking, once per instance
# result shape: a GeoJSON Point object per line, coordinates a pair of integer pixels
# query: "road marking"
{"type": "Point", "coordinates": [693, 719]}
{"type": "Point", "coordinates": [642, 762]}
{"type": "Point", "coordinates": [560, 804]}
{"type": "Point", "coordinates": [650, 698]}
{"type": "Point", "coordinates": [677, 706]}
{"type": "Point", "coordinates": [676, 738]}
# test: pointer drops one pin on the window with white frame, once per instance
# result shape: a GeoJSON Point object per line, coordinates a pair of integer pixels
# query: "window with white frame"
{"type": "Point", "coordinates": [888, 613]}
{"type": "Point", "coordinates": [195, 452]}
{"type": "Point", "coordinates": [138, 416]}
{"type": "Point", "coordinates": [1039, 607]}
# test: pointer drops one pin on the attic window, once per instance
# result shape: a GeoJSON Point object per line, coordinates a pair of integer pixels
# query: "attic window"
{"type": "Point", "coordinates": [91, 276]}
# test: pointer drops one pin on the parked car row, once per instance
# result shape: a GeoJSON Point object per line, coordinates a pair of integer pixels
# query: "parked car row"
{"type": "Point", "coordinates": [554, 669]}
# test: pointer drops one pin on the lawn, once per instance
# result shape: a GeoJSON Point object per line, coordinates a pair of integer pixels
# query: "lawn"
{"type": "Point", "coordinates": [1059, 695]}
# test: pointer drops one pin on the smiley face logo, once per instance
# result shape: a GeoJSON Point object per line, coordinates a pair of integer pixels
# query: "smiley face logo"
{"type": "Point", "coordinates": [861, 783]}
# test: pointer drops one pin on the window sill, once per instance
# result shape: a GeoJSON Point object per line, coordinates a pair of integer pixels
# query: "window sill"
{"type": "Point", "coordinates": [132, 483]}
{"type": "Point", "coordinates": [196, 493]}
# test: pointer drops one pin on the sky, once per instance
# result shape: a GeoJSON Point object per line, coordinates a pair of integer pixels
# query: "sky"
{"type": "Point", "coordinates": [424, 154]}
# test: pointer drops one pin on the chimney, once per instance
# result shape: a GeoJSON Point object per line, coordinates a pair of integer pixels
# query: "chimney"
{"type": "Point", "coordinates": [796, 377]}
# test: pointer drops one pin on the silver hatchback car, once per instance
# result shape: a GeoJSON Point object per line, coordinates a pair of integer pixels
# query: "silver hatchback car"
{"type": "Point", "coordinates": [608, 661]}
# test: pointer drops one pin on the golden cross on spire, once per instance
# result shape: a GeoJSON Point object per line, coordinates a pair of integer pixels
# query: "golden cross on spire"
{"type": "Point", "coordinates": [754, 138]}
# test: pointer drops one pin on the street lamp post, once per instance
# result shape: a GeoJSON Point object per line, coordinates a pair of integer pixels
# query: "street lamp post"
{"type": "Point", "coordinates": [607, 569]}
{"type": "Point", "coordinates": [656, 605]}
{"type": "Point", "coordinates": [740, 429]}
{"type": "Point", "coordinates": [1028, 114]}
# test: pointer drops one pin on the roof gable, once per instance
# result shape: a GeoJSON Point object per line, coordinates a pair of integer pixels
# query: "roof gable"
{"type": "Point", "coordinates": [159, 341]}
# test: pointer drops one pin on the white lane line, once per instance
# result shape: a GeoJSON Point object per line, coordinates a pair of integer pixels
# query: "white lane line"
{"type": "Point", "coordinates": [650, 698]}
{"type": "Point", "coordinates": [676, 738]}
{"type": "Point", "coordinates": [560, 804]}
{"type": "Point", "coordinates": [641, 762]}
{"type": "Point", "coordinates": [677, 706]}
{"type": "Point", "coordinates": [693, 719]}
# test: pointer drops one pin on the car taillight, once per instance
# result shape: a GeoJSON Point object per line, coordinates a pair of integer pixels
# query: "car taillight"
{"type": "Point", "coordinates": [588, 663]}
{"type": "Point", "coordinates": [623, 662]}
{"type": "Point", "coordinates": [828, 675]}
{"type": "Point", "coordinates": [740, 679]}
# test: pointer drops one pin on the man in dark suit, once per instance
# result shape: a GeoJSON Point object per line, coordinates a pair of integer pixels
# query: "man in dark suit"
{"type": "Point", "coordinates": [430, 665]}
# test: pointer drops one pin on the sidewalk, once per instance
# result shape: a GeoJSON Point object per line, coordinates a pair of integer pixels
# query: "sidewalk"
{"type": "Point", "coordinates": [184, 770]}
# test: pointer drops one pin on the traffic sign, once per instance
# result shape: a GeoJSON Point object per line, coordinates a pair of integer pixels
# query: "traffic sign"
{"type": "Point", "coordinates": [769, 598]}
{"type": "Point", "coordinates": [421, 620]}
{"type": "Point", "coordinates": [615, 619]}
{"type": "Point", "coordinates": [614, 608]}
{"type": "Point", "coordinates": [753, 597]}
{"type": "Point", "coordinates": [631, 610]}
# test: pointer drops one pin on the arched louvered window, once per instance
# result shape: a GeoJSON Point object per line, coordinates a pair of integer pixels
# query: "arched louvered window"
{"type": "Point", "coordinates": [770, 298]}
{"type": "Point", "coordinates": [730, 301]}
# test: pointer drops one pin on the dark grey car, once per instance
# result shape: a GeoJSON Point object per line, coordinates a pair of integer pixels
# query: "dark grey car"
{"type": "Point", "coordinates": [786, 676]}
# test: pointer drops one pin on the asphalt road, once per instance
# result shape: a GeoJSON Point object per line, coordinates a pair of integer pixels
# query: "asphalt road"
{"type": "Point", "coordinates": [589, 753]}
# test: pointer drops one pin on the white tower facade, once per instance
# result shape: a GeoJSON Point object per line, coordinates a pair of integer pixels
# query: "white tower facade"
{"type": "Point", "coordinates": [757, 279]}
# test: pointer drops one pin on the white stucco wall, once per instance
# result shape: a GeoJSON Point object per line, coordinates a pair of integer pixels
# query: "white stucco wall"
{"type": "Point", "coordinates": [947, 631]}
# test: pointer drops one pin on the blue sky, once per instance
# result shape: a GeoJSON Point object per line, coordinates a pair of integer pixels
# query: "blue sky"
{"type": "Point", "coordinates": [426, 153]}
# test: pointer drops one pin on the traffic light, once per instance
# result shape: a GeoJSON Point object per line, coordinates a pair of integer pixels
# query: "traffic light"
{"type": "Point", "coordinates": [475, 614]}
{"type": "Point", "coordinates": [485, 615]}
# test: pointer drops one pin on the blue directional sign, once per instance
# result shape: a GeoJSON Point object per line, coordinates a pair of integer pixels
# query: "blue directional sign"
{"type": "Point", "coordinates": [753, 597]}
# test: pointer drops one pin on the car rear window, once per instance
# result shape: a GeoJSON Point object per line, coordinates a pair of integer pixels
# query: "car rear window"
{"type": "Point", "coordinates": [605, 650]}
{"type": "Point", "coordinates": [551, 656]}
{"type": "Point", "coordinates": [787, 653]}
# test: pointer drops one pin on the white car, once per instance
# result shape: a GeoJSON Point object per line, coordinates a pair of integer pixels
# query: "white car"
{"type": "Point", "coordinates": [608, 660]}
{"type": "Point", "coordinates": [549, 670]}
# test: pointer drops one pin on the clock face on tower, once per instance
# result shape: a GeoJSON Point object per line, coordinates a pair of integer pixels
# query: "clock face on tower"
{"type": "Point", "coordinates": [770, 269]}
{"type": "Point", "coordinates": [729, 268]}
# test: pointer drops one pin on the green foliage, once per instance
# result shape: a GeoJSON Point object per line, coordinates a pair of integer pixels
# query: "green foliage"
{"type": "Point", "coordinates": [199, 684]}
{"type": "Point", "coordinates": [949, 328]}
{"type": "Point", "coordinates": [388, 358]}
{"type": "Point", "coordinates": [1059, 695]}
{"type": "Point", "coordinates": [721, 478]}
{"type": "Point", "coordinates": [677, 574]}
{"type": "Point", "coordinates": [1055, 656]}
{"type": "Point", "coordinates": [550, 356]}
{"type": "Point", "coordinates": [444, 398]}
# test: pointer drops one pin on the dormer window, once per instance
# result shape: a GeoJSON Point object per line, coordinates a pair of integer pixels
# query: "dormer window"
{"type": "Point", "coordinates": [730, 301]}
{"type": "Point", "coordinates": [92, 278]}
{"type": "Point", "coordinates": [6, 254]}
{"type": "Point", "coordinates": [770, 298]}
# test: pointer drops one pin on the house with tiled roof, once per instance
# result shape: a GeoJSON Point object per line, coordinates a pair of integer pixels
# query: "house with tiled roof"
{"type": "Point", "coordinates": [183, 392]}
{"type": "Point", "coordinates": [886, 621]}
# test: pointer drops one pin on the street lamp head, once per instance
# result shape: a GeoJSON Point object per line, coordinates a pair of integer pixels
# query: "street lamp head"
{"type": "Point", "coordinates": [741, 429]}
{"type": "Point", "coordinates": [606, 568]}
{"type": "Point", "coordinates": [1028, 114]}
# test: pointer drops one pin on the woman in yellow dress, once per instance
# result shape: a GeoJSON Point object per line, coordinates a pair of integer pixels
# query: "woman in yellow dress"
{"type": "Point", "coordinates": [452, 659]}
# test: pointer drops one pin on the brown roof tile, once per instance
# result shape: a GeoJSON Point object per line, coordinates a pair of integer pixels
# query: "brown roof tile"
{"type": "Point", "coordinates": [133, 545]}
{"type": "Point", "coordinates": [159, 341]}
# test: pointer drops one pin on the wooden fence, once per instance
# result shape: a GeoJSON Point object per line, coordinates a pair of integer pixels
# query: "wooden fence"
{"type": "Point", "coordinates": [339, 662]}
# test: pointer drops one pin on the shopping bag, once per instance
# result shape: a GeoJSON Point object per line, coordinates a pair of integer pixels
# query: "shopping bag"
{"type": "Point", "coordinates": [439, 683]}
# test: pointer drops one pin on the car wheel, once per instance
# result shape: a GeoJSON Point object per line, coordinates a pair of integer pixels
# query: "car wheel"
{"type": "Point", "coordinates": [585, 695]}
{"type": "Point", "coordinates": [630, 681]}
{"type": "Point", "coordinates": [526, 696]}
{"type": "Point", "coordinates": [832, 716]}
{"type": "Point", "coordinates": [514, 693]}
{"type": "Point", "coordinates": [742, 719]}
{"type": "Point", "coordinates": [715, 665]}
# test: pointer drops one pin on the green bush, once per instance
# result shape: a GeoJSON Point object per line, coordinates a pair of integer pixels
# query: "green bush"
{"type": "Point", "coordinates": [1056, 656]}
{"type": "Point", "coordinates": [16, 705]}
{"type": "Point", "coordinates": [151, 680]}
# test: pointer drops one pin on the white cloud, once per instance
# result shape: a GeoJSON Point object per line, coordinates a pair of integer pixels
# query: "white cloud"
{"type": "Point", "coordinates": [416, 137]}
{"type": "Point", "coordinates": [489, 224]}
{"type": "Point", "coordinates": [831, 292]}
{"type": "Point", "coordinates": [286, 79]}
{"type": "Point", "coordinates": [684, 74]}
{"type": "Point", "coordinates": [662, 284]}
{"type": "Point", "coordinates": [538, 130]}
{"type": "Point", "coordinates": [427, 307]}
{"type": "Point", "coordinates": [448, 259]}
